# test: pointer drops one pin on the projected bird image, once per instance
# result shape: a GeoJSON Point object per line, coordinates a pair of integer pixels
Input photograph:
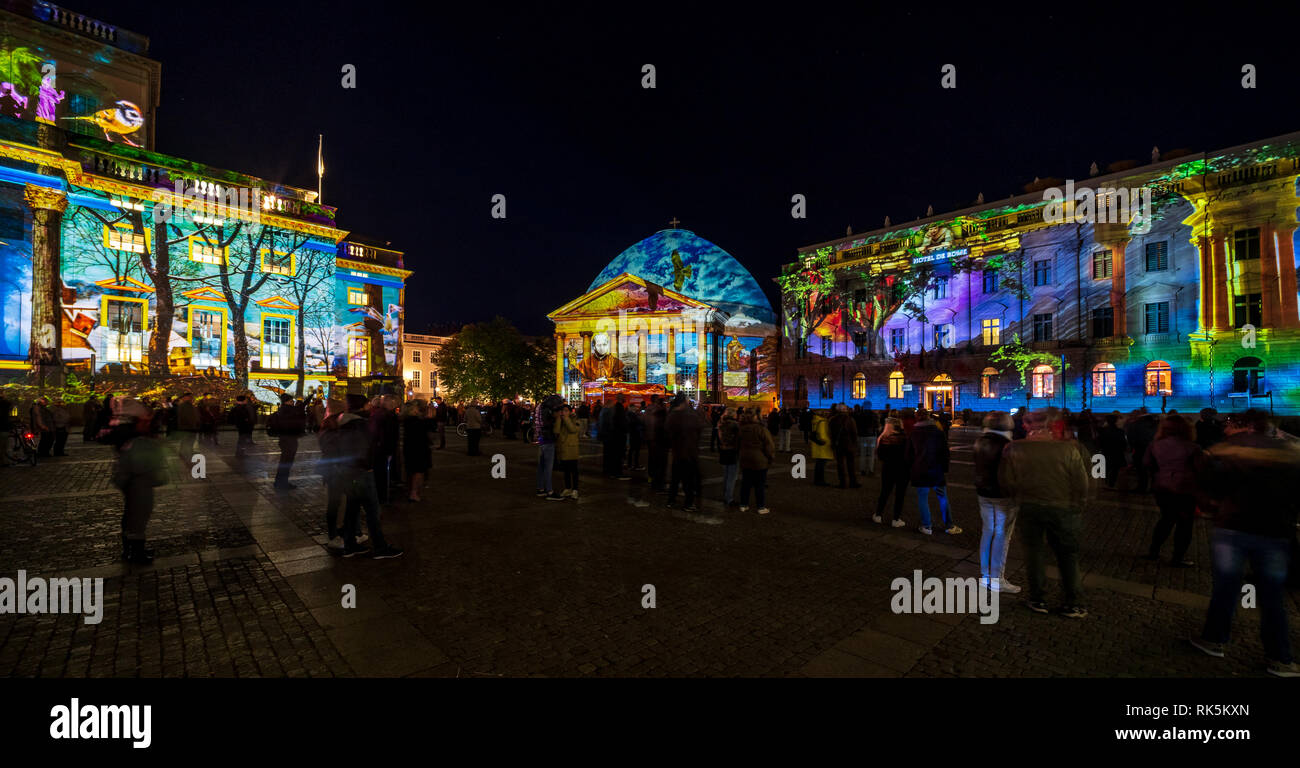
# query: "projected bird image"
{"type": "Point", "coordinates": [122, 119]}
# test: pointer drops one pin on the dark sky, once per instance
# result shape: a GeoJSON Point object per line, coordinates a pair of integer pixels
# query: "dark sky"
{"type": "Point", "coordinates": [546, 106]}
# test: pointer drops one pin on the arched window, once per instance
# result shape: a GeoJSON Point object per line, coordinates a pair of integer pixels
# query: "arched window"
{"type": "Point", "coordinates": [828, 388]}
{"type": "Point", "coordinates": [989, 383]}
{"type": "Point", "coordinates": [1248, 376]}
{"type": "Point", "coordinates": [896, 385]}
{"type": "Point", "coordinates": [859, 386]}
{"type": "Point", "coordinates": [1044, 381]}
{"type": "Point", "coordinates": [1160, 378]}
{"type": "Point", "coordinates": [1103, 380]}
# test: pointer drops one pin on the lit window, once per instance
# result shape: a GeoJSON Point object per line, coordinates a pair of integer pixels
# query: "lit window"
{"type": "Point", "coordinates": [828, 388]}
{"type": "Point", "coordinates": [207, 334]}
{"type": "Point", "coordinates": [1103, 380]}
{"type": "Point", "coordinates": [276, 345]}
{"type": "Point", "coordinates": [357, 296]}
{"type": "Point", "coordinates": [206, 253]}
{"type": "Point", "coordinates": [358, 356]}
{"type": "Point", "coordinates": [415, 355]}
{"type": "Point", "coordinates": [897, 340]}
{"type": "Point", "coordinates": [896, 386]}
{"type": "Point", "coordinates": [991, 332]}
{"type": "Point", "coordinates": [415, 379]}
{"type": "Point", "coordinates": [122, 238]}
{"type": "Point", "coordinates": [125, 327]}
{"type": "Point", "coordinates": [1044, 381]}
{"type": "Point", "coordinates": [1160, 378]}
{"type": "Point", "coordinates": [989, 383]}
{"type": "Point", "coordinates": [859, 386]}
{"type": "Point", "coordinates": [277, 262]}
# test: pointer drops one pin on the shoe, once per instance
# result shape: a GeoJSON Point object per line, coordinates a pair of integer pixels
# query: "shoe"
{"type": "Point", "coordinates": [138, 554]}
{"type": "Point", "coordinates": [1074, 612]}
{"type": "Point", "coordinates": [565, 493]}
{"type": "Point", "coordinates": [954, 530]}
{"type": "Point", "coordinates": [763, 510]}
{"type": "Point", "coordinates": [574, 494]}
{"type": "Point", "coordinates": [1279, 669]}
{"type": "Point", "coordinates": [877, 519]}
{"type": "Point", "coordinates": [638, 502]}
{"type": "Point", "coordinates": [1038, 606]}
{"type": "Point", "coordinates": [355, 549]}
{"type": "Point", "coordinates": [690, 509]}
{"type": "Point", "coordinates": [744, 508]}
{"type": "Point", "coordinates": [335, 543]}
{"type": "Point", "coordinates": [1002, 585]}
{"type": "Point", "coordinates": [925, 530]}
{"type": "Point", "coordinates": [1183, 563]}
{"type": "Point", "coordinates": [387, 553]}
{"type": "Point", "coordinates": [553, 496]}
{"type": "Point", "coordinates": [541, 494]}
{"type": "Point", "coordinates": [622, 477]}
{"type": "Point", "coordinates": [898, 523]}
{"type": "Point", "coordinates": [1206, 647]}
{"type": "Point", "coordinates": [363, 538]}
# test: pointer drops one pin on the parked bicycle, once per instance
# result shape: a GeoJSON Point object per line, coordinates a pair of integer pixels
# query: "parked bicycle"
{"type": "Point", "coordinates": [21, 445]}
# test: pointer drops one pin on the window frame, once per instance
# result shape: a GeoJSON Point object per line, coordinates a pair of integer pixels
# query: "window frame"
{"type": "Point", "coordinates": [262, 356]}
{"type": "Point", "coordinates": [1039, 324]}
{"type": "Point", "coordinates": [1105, 260]}
{"type": "Point", "coordinates": [1161, 254]}
{"type": "Point", "coordinates": [1154, 374]}
{"type": "Point", "coordinates": [991, 331]}
{"type": "Point", "coordinates": [1043, 382]}
{"type": "Point", "coordinates": [225, 323]}
{"type": "Point", "coordinates": [293, 261]}
{"type": "Point", "coordinates": [896, 386]}
{"type": "Point", "coordinates": [859, 386]}
{"type": "Point", "coordinates": [143, 332]}
{"type": "Point", "coordinates": [1104, 373]}
{"type": "Point", "coordinates": [1161, 310]}
{"type": "Point", "coordinates": [1042, 272]}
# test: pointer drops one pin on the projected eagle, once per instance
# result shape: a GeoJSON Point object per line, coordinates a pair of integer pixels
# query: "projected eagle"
{"type": "Point", "coordinates": [680, 271]}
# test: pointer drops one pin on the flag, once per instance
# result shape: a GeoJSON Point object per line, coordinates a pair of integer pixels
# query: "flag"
{"type": "Point", "coordinates": [320, 157]}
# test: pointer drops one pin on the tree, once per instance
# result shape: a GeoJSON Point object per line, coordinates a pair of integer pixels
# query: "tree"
{"type": "Point", "coordinates": [312, 270]}
{"type": "Point", "coordinates": [492, 361]}
{"type": "Point", "coordinates": [1018, 356]}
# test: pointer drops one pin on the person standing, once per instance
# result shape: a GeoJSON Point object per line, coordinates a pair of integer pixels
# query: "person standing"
{"type": "Point", "coordinates": [659, 444]}
{"type": "Point", "coordinates": [997, 508]}
{"type": "Point", "coordinates": [567, 449]}
{"type": "Point", "coordinates": [845, 431]}
{"type": "Point", "coordinates": [891, 447]}
{"type": "Point", "coordinates": [287, 425]}
{"type": "Point", "coordinates": [187, 427]}
{"type": "Point", "coordinates": [729, 453]}
{"type": "Point", "coordinates": [356, 462]}
{"type": "Point", "coordinates": [613, 436]}
{"type": "Point", "coordinates": [635, 436]}
{"type": "Point", "coordinates": [823, 450]}
{"type": "Point", "coordinates": [331, 475]}
{"type": "Point", "coordinates": [1048, 478]}
{"type": "Point", "coordinates": [783, 434]}
{"type": "Point", "coordinates": [441, 416]}
{"type": "Point", "coordinates": [1141, 430]}
{"type": "Point", "coordinates": [60, 417]}
{"type": "Point", "coordinates": [868, 424]}
{"type": "Point", "coordinates": [1251, 477]}
{"type": "Point", "coordinates": [805, 424]}
{"type": "Point", "coordinates": [473, 427]}
{"type": "Point", "coordinates": [242, 417]}
{"type": "Point", "coordinates": [757, 449]}
{"type": "Point", "coordinates": [416, 455]}
{"type": "Point", "coordinates": [684, 425]}
{"type": "Point", "coordinates": [385, 429]}
{"type": "Point", "coordinates": [1112, 444]}
{"type": "Point", "coordinates": [42, 421]}
{"type": "Point", "coordinates": [927, 458]}
{"type": "Point", "coordinates": [1174, 461]}
{"type": "Point", "coordinates": [1208, 429]}
{"type": "Point", "coordinates": [544, 428]}
{"type": "Point", "coordinates": [138, 468]}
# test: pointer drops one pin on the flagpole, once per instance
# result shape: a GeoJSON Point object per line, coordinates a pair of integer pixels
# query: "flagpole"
{"type": "Point", "coordinates": [320, 167]}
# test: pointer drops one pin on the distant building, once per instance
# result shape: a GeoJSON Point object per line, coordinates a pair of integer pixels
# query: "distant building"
{"type": "Point", "coordinates": [418, 369]}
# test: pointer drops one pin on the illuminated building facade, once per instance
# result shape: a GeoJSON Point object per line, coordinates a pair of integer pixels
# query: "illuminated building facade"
{"type": "Point", "coordinates": [673, 313]}
{"type": "Point", "coordinates": [1180, 300]}
{"type": "Point", "coordinates": [418, 368]}
{"type": "Point", "coordinates": [116, 260]}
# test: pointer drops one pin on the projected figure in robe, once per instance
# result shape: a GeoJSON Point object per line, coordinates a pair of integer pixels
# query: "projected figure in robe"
{"type": "Point", "coordinates": [602, 364]}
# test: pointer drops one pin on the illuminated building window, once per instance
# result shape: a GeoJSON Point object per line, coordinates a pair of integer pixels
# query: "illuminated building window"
{"type": "Point", "coordinates": [1044, 381]}
{"type": "Point", "coordinates": [939, 290]}
{"type": "Point", "coordinates": [828, 388]}
{"type": "Point", "coordinates": [1102, 265]}
{"type": "Point", "coordinates": [990, 281]}
{"type": "Point", "coordinates": [1157, 317]}
{"type": "Point", "coordinates": [1103, 380]}
{"type": "Point", "coordinates": [1160, 378]}
{"type": "Point", "coordinates": [1042, 272]}
{"type": "Point", "coordinates": [205, 253]}
{"type": "Point", "coordinates": [1158, 256]}
{"type": "Point", "coordinates": [826, 346]}
{"type": "Point", "coordinates": [207, 336]}
{"type": "Point", "coordinates": [277, 344]}
{"type": "Point", "coordinates": [896, 386]}
{"type": "Point", "coordinates": [125, 327]}
{"type": "Point", "coordinates": [1043, 327]}
{"type": "Point", "coordinates": [1248, 376]}
{"type": "Point", "coordinates": [989, 383]}
{"type": "Point", "coordinates": [357, 296]}
{"type": "Point", "coordinates": [277, 263]}
{"type": "Point", "coordinates": [415, 379]}
{"type": "Point", "coordinates": [897, 340]}
{"type": "Point", "coordinates": [859, 386]}
{"type": "Point", "coordinates": [1245, 244]}
{"type": "Point", "coordinates": [991, 332]}
{"type": "Point", "coordinates": [358, 356]}
{"type": "Point", "coordinates": [120, 237]}
{"type": "Point", "coordinates": [415, 355]}
{"type": "Point", "coordinates": [943, 336]}
{"type": "Point", "coordinates": [1103, 322]}
{"type": "Point", "coordinates": [1248, 308]}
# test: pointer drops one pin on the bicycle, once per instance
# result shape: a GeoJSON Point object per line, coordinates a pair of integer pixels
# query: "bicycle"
{"type": "Point", "coordinates": [21, 445]}
{"type": "Point", "coordinates": [464, 432]}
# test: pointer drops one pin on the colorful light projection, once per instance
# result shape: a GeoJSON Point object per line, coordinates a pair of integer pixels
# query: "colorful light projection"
{"type": "Point", "coordinates": [29, 90]}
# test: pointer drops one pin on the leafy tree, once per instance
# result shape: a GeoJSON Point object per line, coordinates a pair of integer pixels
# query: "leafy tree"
{"type": "Point", "coordinates": [1016, 355]}
{"type": "Point", "coordinates": [492, 361]}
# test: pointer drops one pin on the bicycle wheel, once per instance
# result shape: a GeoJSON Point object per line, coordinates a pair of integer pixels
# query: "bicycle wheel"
{"type": "Point", "coordinates": [460, 430]}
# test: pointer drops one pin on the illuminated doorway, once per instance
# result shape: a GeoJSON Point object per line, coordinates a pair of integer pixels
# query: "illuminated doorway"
{"type": "Point", "coordinates": [938, 395]}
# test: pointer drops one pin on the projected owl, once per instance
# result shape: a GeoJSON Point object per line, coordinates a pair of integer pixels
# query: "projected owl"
{"type": "Point", "coordinates": [680, 271]}
{"type": "Point", "coordinates": [122, 119]}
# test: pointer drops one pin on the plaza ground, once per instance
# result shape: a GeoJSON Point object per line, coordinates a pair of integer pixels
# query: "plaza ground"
{"type": "Point", "coordinates": [498, 582]}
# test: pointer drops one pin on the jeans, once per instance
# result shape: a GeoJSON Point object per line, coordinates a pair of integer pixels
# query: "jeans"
{"type": "Point", "coordinates": [1268, 561]}
{"type": "Point", "coordinates": [999, 517]}
{"type": "Point", "coordinates": [685, 472]}
{"type": "Point", "coordinates": [362, 494]}
{"type": "Point", "coordinates": [1060, 527]}
{"type": "Point", "coordinates": [288, 451]}
{"type": "Point", "coordinates": [757, 480]}
{"type": "Point", "coordinates": [892, 479]}
{"type": "Point", "coordinates": [1177, 510]}
{"type": "Point", "coordinates": [923, 503]}
{"type": "Point", "coordinates": [546, 467]}
{"type": "Point", "coordinates": [729, 472]}
{"type": "Point", "coordinates": [867, 454]}
{"type": "Point", "coordinates": [783, 440]}
{"type": "Point", "coordinates": [382, 463]}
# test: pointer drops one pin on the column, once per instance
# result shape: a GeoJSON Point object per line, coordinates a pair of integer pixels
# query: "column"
{"type": "Point", "coordinates": [586, 344]}
{"type": "Point", "coordinates": [1283, 243]}
{"type": "Point", "coordinates": [642, 346]}
{"type": "Point", "coordinates": [1269, 289]}
{"type": "Point", "coordinates": [1222, 279]}
{"type": "Point", "coordinates": [1205, 285]}
{"type": "Point", "coordinates": [716, 379]}
{"type": "Point", "coordinates": [45, 351]}
{"type": "Point", "coordinates": [701, 362]}
{"type": "Point", "coordinates": [1118, 291]}
{"type": "Point", "coordinates": [559, 363]}
{"type": "Point", "coordinates": [672, 358]}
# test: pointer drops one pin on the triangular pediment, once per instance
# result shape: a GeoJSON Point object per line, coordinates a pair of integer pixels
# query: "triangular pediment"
{"type": "Point", "coordinates": [628, 293]}
{"type": "Point", "coordinates": [124, 283]}
{"type": "Point", "coordinates": [206, 293]}
{"type": "Point", "coordinates": [276, 302]}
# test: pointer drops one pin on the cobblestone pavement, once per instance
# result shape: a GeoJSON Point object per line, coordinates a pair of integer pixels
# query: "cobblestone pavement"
{"type": "Point", "coordinates": [498, 582]}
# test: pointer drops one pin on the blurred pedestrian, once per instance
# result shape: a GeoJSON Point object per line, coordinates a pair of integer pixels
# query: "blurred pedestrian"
{"type": "Point", "coordinates": [1174, 462]}
{"type": "Point", "coordinates": [927, 457]}
{"type": "Point", "coordinates": [997, 508]}
{"type": "Point", "coordinates": [891, 450]}
{"type": "Point", "coordinates": [756, 449]}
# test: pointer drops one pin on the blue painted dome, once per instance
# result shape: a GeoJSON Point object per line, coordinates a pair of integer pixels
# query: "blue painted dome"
{"type": "Point", "coordinates": [700, 270]}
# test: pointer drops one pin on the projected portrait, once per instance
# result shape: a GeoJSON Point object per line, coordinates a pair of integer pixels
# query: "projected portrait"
{"type": "Point", "coordinates": [603, 363]}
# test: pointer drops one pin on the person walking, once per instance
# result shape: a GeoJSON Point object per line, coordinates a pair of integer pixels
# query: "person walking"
{"type": "Point", "coordinates": [356, 464]}
{"type": "Point", "coordinates": [187, 427]}
{"type": "Point", "coordinates": [544, 419]}
{"type": "Point", "coordinates": [1174, 462]}
{"type": "Point", "coordinates": [333, 476]}
{"type": "Point", "coordinates": [823, 449]}
{"type": "Point", "coordinates": [138, 468]}
{"type": "Point", "coordinates": [242, 417]}
{"type": "Point", "coordinates": [868, 423]}
{"type": "Point", "coordinates": [997, 508]}
{"type": "Point", "coordinates": [1250, 475]}
{"type": "Point", "coordinates": [473, 428]}
{"type": "Point", "coordinates": [417, 456]}
{"type": "Point", "coordinates": [385, 429]}
{"type": "Point", "coordinates": [567, 450]}
{"type": "Point", "coordinates": [844, 431]}
{"type": "Point", "coordinates": [786, 422]}
{"type": "Point", "coordinates": [927, 457]}
{"type": "Point", "coordinates": [1048, 479]}
{"type": "Point", "coordinates": [757, 449]}
{"type": "Point", "coordinates": [728, 453]}
{"type": "Point", "coordinates": [891, 449]}
{"type": "Point", "coordinates": [287, 425]}
{"type": "Point", "coordinates": [684, 426]}
{"type": "Point", "coordinates": [659, 444]}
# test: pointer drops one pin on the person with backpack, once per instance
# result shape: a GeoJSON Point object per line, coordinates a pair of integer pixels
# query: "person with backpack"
{"type": "Point", "coordinates": [242, 417]}
{"type": "Point", "coordinates": [1174, 461]}
{"type": "Point", "coordinates": [544, 426]}
{"type": "Point", "coordinates": [729, 453]}
{"type": "Point", "coordinates": [287, 424]}
{"type": "Point", "coordinates": [567, 429]}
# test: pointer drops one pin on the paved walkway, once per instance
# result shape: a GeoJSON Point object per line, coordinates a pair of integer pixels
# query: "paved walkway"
{"type": "Point", "coordinates": [498, 582]}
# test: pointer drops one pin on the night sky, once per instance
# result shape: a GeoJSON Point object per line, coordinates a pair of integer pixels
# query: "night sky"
{"type": "Point", "coordinates": [546, 107]}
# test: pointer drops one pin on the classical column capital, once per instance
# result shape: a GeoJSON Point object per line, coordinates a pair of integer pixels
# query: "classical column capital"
{"type": "Point", "coordinates": [44, 198]}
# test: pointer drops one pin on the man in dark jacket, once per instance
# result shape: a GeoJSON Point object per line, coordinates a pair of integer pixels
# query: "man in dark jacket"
{"type": "Point", "coordinates": [187, 427]}
{"type": "Point", "coordinates": [384, 429]}
{"type": "Point", "coordinates": [243, 417]}
{"type": "Point", "coordinates": [997, 508]}
{"type": "Point", "coordinates": [1251, 477]}
{"type": "Point", "coordinates": [868, 424]}
{"type": "Point", "coordinates": [927, 456]}
{"type": "Point", "coordinates": [1141, 429]}
{"type": "Point", "coordinates": [613, 435]}
{"type": "Point", "coordinates": [1208, 429]}
{"type": "Point", "coordinates": [844, 433]}
{"type": "Point", "coordinates": [287, 424]}
{"type": "Point", "coordinates": [684, 427]}
{"type": "Point", "coordinates": [356, 449]}
{"type": "Point", "coordinates": [658, 443]}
